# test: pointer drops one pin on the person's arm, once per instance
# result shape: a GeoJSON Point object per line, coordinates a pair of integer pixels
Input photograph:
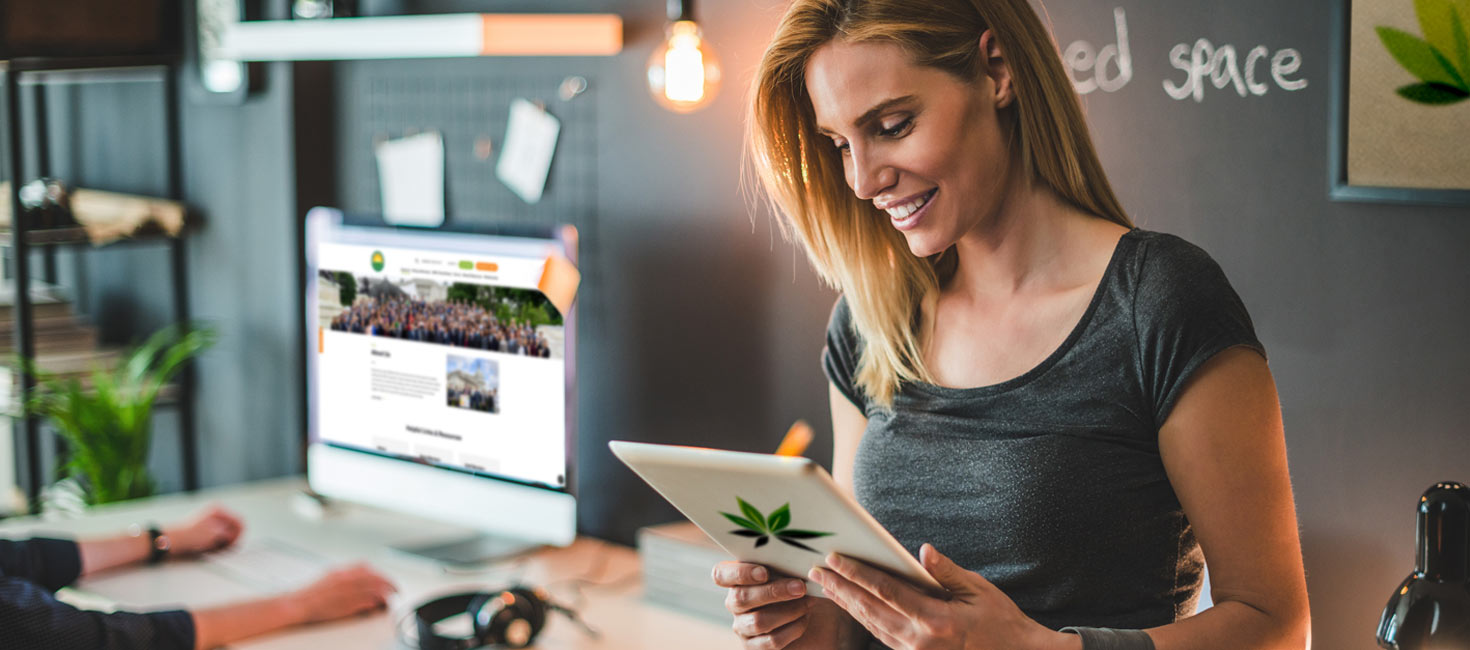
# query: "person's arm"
{"type": "Point", "coordinates": [211, 530]}
{"type": "Point", "coordinates": [339, 594]}
{"type": "Point", "coordinates": [1224, 449]}
{"type": "Point", "coordinates": [31, 617]}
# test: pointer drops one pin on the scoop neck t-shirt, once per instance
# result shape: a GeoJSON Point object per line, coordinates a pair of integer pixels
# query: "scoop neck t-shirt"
{"type": "Point", "coordinates": [1050, 484]}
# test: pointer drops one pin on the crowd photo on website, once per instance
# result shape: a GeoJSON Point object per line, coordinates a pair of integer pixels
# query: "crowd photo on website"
{"type": "Point", "coordinates": [480, 317]}
{"type": "Point", "coordinates": [472, 384]}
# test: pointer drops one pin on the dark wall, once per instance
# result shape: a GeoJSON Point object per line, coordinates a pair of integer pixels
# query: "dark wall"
{"type": "Point", "coordinates": [700, 326]}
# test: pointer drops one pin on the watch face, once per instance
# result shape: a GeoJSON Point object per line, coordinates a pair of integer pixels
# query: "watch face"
{"type": "Point", "coordinates": [162, 543]}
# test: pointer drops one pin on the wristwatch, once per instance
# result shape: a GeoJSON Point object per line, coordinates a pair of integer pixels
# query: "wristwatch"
{"type": "Point", "coordinates": [158, 542]}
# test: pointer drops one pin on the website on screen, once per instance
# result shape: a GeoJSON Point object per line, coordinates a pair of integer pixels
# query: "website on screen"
{"type": "Point", "coordinates": [448, 358]}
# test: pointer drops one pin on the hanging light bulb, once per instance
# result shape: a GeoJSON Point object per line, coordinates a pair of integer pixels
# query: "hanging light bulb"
{"type": "Point", "coordinates": [683, 73]}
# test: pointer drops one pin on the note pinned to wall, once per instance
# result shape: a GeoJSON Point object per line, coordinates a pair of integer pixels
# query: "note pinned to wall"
{"type": "Point", "coordinates": [530, 141]}
{"type": "Point", "coordinates": [411, 174]}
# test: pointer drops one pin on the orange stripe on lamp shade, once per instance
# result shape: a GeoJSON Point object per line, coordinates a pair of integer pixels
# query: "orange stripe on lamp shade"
{"type": "Point", "coordinates": [551, 34]}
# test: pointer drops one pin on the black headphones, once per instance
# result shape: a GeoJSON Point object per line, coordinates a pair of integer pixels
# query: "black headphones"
{"type": "Point", "coordinates": [510, 618]}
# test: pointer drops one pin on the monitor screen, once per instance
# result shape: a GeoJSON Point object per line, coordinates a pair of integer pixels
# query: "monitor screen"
{"type": "Point", "coordinates": [439, 348]}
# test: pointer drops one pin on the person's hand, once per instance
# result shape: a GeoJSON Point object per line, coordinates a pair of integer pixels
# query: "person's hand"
{"type": "Point", "coordinates": [341, 593]}
{"type": "Point", "coordinates": [769, 613]}
{"type": "Point", "coordinates": [211, 530]}
{"type": "Point", "coordinates": [977, 615]}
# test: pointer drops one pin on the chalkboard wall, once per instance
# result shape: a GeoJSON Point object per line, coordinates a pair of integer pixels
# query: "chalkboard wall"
{"type": "Point", "coordinates": [700, 326]}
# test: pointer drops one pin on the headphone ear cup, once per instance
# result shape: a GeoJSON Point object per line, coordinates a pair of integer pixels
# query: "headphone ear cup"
{"type": "Point", "coordinates": [480, 616]}
{"type": "Point", "coordinates": [535, 604]}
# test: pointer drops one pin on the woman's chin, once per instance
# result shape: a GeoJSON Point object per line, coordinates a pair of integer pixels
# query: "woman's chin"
{"type": "Point", "coordinates": [922, 246]}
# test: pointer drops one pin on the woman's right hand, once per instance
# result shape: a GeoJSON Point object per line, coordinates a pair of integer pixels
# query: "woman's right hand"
{"type": "Point", "coordinates": [342, 593]}
{"type": "Point", "coordinates": [770, 612]}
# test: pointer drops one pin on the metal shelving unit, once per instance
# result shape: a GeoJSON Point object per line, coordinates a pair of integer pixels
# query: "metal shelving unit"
{"type": "Point", "coordinates": [22, 242]}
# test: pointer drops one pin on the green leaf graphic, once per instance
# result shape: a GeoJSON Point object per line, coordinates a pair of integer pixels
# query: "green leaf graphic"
{"type": "Point", "coordinates": [1440, 20]}
{"type": "Point", "coordinates": [752, 514]}
{"type": "Point", "coordinates": [1459, 25]}
{"type": "Point", "coordinates": [756, 525]}
{"type": "Point", "coordinates": [742, 522]}
{"type": "Point", "coordinates": [1417, 56]}
{"type": "Point", "coordinates": [780, 518]}
{"type": "Point", "coordinates": [803, 534]}
{"type": "Point", "coordinates": [797, 544]}
{"type": "Point", "coordinates": [1432, 94]}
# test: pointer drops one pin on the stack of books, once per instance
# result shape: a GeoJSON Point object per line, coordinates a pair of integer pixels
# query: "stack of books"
{"type": "Point", "coordinates": [678, 564]}
{"type": "Point", "coordinates": [63, 346]}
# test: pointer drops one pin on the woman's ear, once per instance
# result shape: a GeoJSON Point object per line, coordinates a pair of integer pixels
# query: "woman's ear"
{"type": "Point", "coordinates": [997, 68]}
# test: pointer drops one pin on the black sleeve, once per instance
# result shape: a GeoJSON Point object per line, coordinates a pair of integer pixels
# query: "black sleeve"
{"type": "Point", "coordinates": [32, 618]}
{"type": "Point", "coordinates": [1185, 312]}
{"type": "Point", "coordinates": [50, 563]}
{"type": "Point", "coordinates": [840, 357]}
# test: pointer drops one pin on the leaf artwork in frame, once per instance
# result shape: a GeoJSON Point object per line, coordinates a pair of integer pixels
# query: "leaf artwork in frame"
{"type": "Point", "coordinates": [1441, 59]}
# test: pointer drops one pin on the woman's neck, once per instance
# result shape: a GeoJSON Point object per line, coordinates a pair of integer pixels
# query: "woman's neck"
{"type": "Point", "coordinates": [1024, 247]}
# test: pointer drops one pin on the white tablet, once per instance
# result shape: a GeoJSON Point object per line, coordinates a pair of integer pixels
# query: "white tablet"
{"type": "Point", "coordinates": [781, 511]}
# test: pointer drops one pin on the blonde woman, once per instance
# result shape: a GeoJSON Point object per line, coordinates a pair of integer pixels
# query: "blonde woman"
{"type": "Point", "coordinates": [1077, 413]}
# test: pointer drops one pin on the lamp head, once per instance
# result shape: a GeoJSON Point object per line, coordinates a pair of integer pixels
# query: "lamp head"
{"type": "Point", "coordinates": [1431, 608]}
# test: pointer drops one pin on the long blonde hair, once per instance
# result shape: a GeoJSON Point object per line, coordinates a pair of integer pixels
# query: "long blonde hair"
{"type": "Point", "coordinates": [848, 240]}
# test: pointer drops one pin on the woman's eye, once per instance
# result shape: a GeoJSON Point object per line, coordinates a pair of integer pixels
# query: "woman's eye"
{"type": "Point", "coordinates": [842, 147]}
{"type": "Point", "coordinates": [897, 129]}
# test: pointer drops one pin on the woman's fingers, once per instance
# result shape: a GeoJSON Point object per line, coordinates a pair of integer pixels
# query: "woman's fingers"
{"type": "Point", "coordinates": [767, 619]}
{"type": "Point", "coordinates": [735, 574]}
{"type": "Point", "coordinates": [743, 599]}
{"type": "Point", "coordinates": [872, 612]}
{"type": "Point", "coordinates": [897, 593]}
{"type": "Point", "coordinates": [781, 637]}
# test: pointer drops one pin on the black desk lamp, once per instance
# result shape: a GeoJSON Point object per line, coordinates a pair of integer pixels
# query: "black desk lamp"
{"type": "Point", "coordinates": [1431, 608]}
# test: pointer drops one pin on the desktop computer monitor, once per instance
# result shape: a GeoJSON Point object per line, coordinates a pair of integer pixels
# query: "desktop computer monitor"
{"type": "Point", "coordinates": [440, 379]}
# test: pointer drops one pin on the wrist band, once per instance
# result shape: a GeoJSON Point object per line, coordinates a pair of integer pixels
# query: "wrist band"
{"type": "Point", "coordinates": [158, 544]}
{"type": "Point", "coordinates": [1101, 638]}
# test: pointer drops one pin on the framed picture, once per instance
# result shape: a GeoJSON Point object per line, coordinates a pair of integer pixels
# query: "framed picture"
{"type": "Point", "coordinates": [1400, 110]}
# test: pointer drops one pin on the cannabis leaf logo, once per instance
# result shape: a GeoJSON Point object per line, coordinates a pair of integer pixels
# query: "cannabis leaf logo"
{"type": "Point", "coordinates": [753, 524]}
{"type": "Point", "coordinates": [1441, 60]}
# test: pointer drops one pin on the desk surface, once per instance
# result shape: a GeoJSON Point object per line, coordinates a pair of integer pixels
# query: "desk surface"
{"type": "Point", "coordinates": [599, 580]}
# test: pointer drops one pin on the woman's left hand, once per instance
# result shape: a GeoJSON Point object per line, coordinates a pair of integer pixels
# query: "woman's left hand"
{"type": "Point", "coordinates": [976, 615]}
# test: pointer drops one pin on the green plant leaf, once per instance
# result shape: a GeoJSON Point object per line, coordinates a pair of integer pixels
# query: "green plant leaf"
{"type": "Point", "coordinates": [752, 514]}
{"type": "Point", "coordinates": [1417, 56]}
{"type": "Point", "coordinates": [779, 518]}
{"type": "Point", "coordinates": [1442, 22]}
{"type": "Point", "coordinates": [797, 544]}
{"type": "Point", "coordinates": [1432, 94]}
{"type": "Point", "coordinates": [762, 541]}
{"type": "Point", "coordinates": [743, 522]}
{"type": "Point", "coordinates": [803, 534]}
{"type": "Point", "coordinates": [747, 533]}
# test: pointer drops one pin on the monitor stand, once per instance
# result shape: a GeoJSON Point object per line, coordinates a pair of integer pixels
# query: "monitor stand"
{"type": "Point", "coordinates": [475, 550]}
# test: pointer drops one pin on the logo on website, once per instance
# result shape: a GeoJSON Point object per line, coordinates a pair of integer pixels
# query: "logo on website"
{"type": "Point", "coordinates": [377, 260]}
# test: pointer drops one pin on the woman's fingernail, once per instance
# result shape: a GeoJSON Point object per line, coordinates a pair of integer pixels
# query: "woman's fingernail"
{"type": "Point", "coordinates": [760, 574]}
{"type": "Point", "coordinates": [795, 588]}
{"type": "Point", "coordinates": [816, 575]}
{"type": "Point", "coordinates": [834, 560]}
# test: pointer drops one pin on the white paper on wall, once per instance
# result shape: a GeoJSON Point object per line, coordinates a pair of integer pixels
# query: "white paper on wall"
{"type": "Point", "coordinates": [530, 142]}
{"type": "Point", "coordinates": [411, 174]}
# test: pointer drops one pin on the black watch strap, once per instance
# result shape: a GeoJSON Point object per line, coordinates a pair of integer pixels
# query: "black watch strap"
{"type": "Point", "coordinates": [158, 545]}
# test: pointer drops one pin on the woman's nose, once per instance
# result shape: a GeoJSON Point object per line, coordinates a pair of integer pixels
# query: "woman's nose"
{"type": "Point", "coordinates": [869, 176]}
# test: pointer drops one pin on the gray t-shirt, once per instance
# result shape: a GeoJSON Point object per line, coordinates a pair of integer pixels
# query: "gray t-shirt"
{"type": "Point", "coordinates": [1050, 485]}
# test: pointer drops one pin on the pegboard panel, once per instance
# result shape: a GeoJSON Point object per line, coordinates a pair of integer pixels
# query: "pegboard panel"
{"type": "Point", "coordinates": [467, 102]}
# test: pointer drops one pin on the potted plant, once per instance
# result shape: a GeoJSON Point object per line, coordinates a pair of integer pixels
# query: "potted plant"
{"type": "Point", "coordinates": [105, 421]}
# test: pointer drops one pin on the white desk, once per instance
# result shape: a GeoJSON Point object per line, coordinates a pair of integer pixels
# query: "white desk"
{"type": "Point", "coordinates": [360, 534]}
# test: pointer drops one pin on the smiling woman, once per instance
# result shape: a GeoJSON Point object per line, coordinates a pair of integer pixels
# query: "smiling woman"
{"type": "Point", "coordinates": [1077, 411]}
